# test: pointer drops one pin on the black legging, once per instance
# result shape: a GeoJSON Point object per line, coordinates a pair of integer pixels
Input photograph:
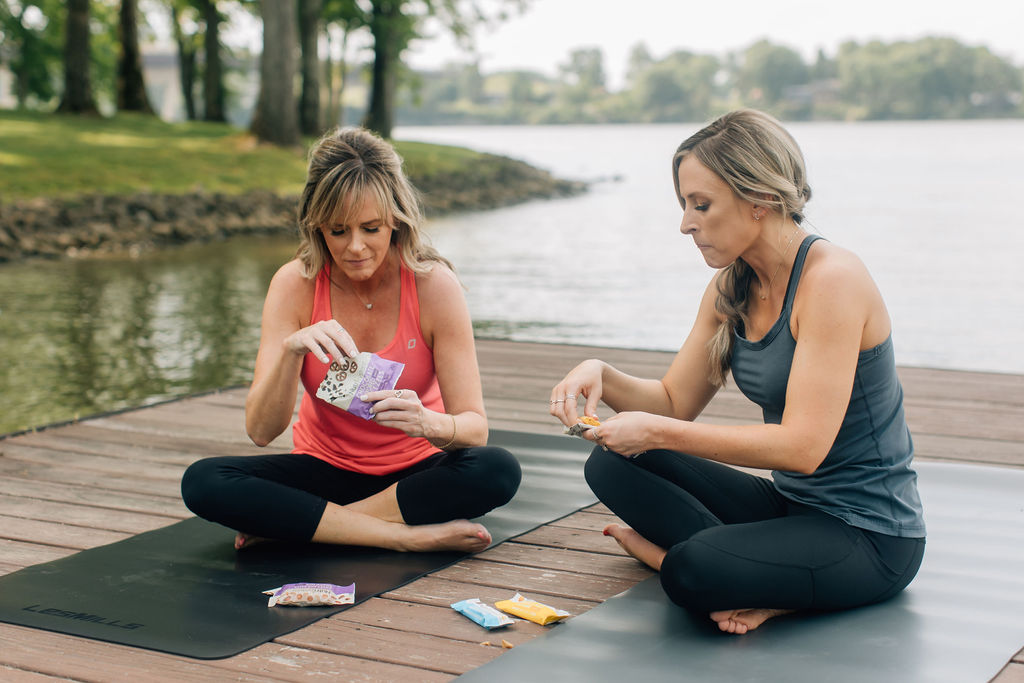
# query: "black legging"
{"type": "Point", "coordinates": [283, 496]}
{"type": "Point", "coordinates": [735, 542]}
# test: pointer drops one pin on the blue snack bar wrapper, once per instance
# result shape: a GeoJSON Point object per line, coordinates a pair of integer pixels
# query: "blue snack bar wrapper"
{"type": "Point", "coordinates": [482, 614]}
{"type": "Point", "coordinates": [349, 378]}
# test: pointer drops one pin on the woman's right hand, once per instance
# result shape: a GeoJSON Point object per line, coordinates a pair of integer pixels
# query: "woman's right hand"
{"type": "Point", "coordinates": [327, 340]}
{"type": "Point", "coordinates": [584, 379]}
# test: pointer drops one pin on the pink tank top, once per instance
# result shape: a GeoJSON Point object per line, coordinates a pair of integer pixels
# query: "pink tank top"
{"type": "Point", "coordinates": [352, 443]}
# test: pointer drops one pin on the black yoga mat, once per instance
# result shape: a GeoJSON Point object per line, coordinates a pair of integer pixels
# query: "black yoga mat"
{"type": "Point", "coordinates": [960, 620]}
{"type": "Point", "coordinates": [183, 589]}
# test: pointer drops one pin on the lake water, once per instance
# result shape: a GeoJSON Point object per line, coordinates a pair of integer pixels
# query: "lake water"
{"type": "Point", "coordinates": [931, 208]}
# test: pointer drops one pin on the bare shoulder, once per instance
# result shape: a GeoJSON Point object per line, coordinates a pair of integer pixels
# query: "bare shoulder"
{"type": "Point", "coordinates": [832, 269]}
{"type": "Point", "coordinates": [290, 289]}
{"type": "Point", "coordinates": [836, 285]}
{"type": "Point", "coordinates": [438, 285]}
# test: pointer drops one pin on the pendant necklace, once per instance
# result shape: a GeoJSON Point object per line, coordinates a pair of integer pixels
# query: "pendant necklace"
{"type": "Point", "coordinates": [367, 304]}
{"type": "Point", "coordinates": [763, 293]}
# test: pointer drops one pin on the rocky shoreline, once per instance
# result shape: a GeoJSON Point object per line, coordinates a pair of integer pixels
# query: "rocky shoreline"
{"type": "Point", "coordinates": [103, 224]}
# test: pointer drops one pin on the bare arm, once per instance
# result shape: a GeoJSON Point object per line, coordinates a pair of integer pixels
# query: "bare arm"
{"type": "Point", "coordinates": [682, 393]}
{"type": "Point", "coordinates": [446, 325]}
{"type": "Point", "coordinates": [285, 338]}
{"type": "Point", "coordinates": [837, 303]}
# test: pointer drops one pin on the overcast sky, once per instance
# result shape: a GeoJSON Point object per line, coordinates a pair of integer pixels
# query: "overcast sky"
{"type": "Point", "coordinates": [543, 36]}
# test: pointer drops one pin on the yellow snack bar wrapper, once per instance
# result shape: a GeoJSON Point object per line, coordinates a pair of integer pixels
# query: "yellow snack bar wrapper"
{"type": "Point", "coordinates": [531, 610]}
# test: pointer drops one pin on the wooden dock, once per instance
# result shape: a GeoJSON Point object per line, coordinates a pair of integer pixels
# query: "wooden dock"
{"type": "Point", "coordinates": [81, 485]}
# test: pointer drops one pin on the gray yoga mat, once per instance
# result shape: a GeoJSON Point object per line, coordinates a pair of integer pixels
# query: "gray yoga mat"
{"type": "Point", "coordinates": [960, 620]}
{"type": "Point", "coordinates": [183, 589]}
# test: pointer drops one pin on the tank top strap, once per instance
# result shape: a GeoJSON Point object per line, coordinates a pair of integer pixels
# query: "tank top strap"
{"type": "Point", "coordinates": [798, 268]}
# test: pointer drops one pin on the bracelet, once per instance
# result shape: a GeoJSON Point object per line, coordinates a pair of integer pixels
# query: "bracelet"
{"type": "Point", "coordinates": [454, 432]}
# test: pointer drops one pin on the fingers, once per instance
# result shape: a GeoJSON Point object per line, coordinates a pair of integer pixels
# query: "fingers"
{"type": "Point", "coordinates": [563, 405]}
{"type": "Point", "coordinates": [326, 340]}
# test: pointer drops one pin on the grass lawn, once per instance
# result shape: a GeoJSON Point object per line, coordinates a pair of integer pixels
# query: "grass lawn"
{"type": "Point", "coordinates": [59, 156]}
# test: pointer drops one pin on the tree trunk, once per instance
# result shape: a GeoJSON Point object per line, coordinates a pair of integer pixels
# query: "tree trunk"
{"type": "Point", "coordinates": [186, 65]}
{"type": "Point", "coordinates": [131, 85]}
{"type": "Point", "coordinates": [276, 117]}
{"type": "Point", "coordinates": [213, 76]}
{"type": "Point", "coordinates": [77, 98]}
{"type": "Point", "coordinates": [380, 113]}
{"type": "Point", "coordinates": [309, 35]}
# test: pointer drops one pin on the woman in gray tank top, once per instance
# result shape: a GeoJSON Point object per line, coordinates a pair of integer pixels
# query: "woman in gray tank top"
{"type": "Point", "coordinates": [805, 333]}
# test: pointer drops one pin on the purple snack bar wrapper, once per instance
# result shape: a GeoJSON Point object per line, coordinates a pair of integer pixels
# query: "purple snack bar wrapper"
{"type": "Point", "coordinates": [350, 378]}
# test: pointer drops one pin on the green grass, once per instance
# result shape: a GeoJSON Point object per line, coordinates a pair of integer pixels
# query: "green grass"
{"type": "Point", "coordinates": [60, 156]}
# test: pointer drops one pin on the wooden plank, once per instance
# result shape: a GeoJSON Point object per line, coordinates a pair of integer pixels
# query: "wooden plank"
{"type": "Point", "coordinates": [9, 675]}
{"type": "Point", "coordinates": [618, 566]}
{"type": "Point", "coordinates": [573, 539]}
{"type": "Point", "coordinates": [110, 481]}
{"type": "Point", "coordinates": [420, 650]}
{"type": "Point", "coordinates": [437, 621]}
{"type": "Point", "coordinates": [82, 515]}
{"type": "Point", "coordinates": [56, 534]}
{"type": "Point", "coordinates": [59, 655]}
{"type": "Point", "coordinates": [289, 663]}
{"type": "Point", "coordinates": [546, 581]}
{"type": "Point", "coordinates": [442, 592]}
{"type": "Point", "coordinates": [22, 554]}
{"type": "Point", "coordinates": [86, 493]}
{"type": "Point", "coordinates": [16, 450]}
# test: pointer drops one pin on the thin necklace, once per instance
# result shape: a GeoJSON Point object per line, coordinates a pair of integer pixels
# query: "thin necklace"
{"type": "Point", "coordinates": [763, 293]}
{"type": "Point", "coordinates": [364, 302]}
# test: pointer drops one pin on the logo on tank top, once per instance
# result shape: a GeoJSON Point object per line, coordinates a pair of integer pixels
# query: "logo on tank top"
{"type": "Point", "coordinates": [411, 344]}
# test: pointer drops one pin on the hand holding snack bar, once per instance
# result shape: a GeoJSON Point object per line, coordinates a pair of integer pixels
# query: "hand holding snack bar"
{"type": "Point", "coordinates": [327, 340]}
{"type": "Point", "coordinates": [584, 380]}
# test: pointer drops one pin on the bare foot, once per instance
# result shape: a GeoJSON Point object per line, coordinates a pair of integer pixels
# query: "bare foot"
{"type": "Point", "coordinates": [460, 534]}
{"type": "Point", "coordinates": [636, 545]}
{"type": "Point", "coordinates": [245, 540]}
{"type": "Point", "coordinates": [739, 621]}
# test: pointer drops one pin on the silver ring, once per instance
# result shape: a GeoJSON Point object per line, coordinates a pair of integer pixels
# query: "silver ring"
{"type": "Point", "coordinates": [561, 400]}
{"type": "Point", "coordinates": [571, 398]}
{"type": "Point", "coordinates": [398, 394]}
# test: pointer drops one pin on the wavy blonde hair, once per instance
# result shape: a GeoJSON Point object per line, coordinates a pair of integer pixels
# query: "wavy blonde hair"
{"type": "Point", "coordinates": [762, 163]}
{"type": "Point", "coordinates": [346, 164]}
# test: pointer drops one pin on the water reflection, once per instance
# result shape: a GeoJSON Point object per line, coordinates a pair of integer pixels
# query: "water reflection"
{"type": "Point", "coordinates": [88, 336]}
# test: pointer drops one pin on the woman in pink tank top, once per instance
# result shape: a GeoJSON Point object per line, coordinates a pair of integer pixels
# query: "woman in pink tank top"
{"type": "Point", "coordinates": [364, 280]}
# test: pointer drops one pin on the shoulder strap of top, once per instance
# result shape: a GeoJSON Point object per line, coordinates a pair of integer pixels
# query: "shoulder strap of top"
{"type": "Point", "coordinates": [798, 268]}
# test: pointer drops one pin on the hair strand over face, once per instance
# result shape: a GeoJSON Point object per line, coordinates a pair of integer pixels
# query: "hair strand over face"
{"type": "Point", "coordinates": [346, 166]}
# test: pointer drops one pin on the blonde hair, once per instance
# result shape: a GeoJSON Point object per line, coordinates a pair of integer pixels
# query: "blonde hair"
{"type": "Point", "coordinates": [347, 164]}
{"type": "Point", "coordinates": [762, 163]}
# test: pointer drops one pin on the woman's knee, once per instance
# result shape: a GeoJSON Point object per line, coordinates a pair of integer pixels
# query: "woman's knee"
{"type": "Point", "coordinates": [690, 578]}
{"type": "Point", "coordinates": [603, 472]}
{"type": "Point", "coordinates": [199, 485]}
{"type": "Point", "coordinates": [501, 474]}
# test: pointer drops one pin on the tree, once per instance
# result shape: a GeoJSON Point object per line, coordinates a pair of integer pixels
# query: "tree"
{"type": "Point", "coordinates": [395, 23]}
{"type": "Point", "coordinates": [131, 86]}
{"type": "Point", "coordinates": [768, 70]}
{"type": "Point", "coordinates": [680, 87]}
{"type": "Point", "coordinates": [186, 44]}
{"type": "Point", "coordinates": [340, 16]}
{"type": "Point", "coordinates": [392, 30]}
{"type": "Point", "coordinates": [309, 33]}
{"type": "Point", "coordinates": [78, 97]}
{"type": "Point", "coordinates": [213, 73]}
{"type": "Point", "coordinates": [275, 119]}
{"type": "Point", "coordinates": [31, 47]}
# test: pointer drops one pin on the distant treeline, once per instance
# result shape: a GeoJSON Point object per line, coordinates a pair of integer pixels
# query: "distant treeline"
{"type": "Point", "coordinates": [930, 78]}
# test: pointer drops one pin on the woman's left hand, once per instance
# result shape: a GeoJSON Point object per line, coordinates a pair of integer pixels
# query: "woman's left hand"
{"type": "Point", "coordinates": [400, 409]}
{"type": "Point", "coordinates": [627, 433]}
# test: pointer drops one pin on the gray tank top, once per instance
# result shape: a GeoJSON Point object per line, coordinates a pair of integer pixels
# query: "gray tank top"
{"type": "Point", "coordinates": [866, 478]}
